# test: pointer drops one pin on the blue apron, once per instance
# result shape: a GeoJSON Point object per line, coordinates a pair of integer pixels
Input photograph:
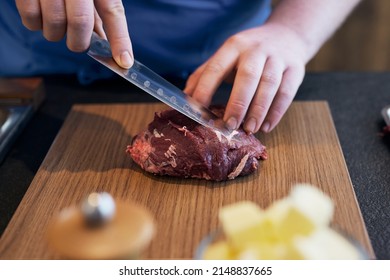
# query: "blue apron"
{"type": "Point", "coordinates": [172, 37]}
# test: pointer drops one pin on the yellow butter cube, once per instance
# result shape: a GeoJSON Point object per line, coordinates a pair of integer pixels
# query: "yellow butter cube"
{"type": "Point", "coordinates": [315, 204]}
{"type": "Point", "coordinates": [243, 223]}
{"type": "Point", "coordinates": [238, 216]}
{"type": "Point", "coordinates": [326, 244]}
{"type": "Point", "coordinates": [219, 250]}
{"type": "Point", "coordinates": [288, 220]}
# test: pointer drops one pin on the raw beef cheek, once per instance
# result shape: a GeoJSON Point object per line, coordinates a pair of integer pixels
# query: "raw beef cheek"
{"type": "Point", "coordinates": [178, 146]}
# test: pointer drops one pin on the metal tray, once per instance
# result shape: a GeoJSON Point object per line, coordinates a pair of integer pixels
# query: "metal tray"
{"type": "Point", "coordinates": [12, 121]}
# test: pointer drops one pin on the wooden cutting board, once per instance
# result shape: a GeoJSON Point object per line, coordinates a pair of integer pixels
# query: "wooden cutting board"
{"type": "Point", "coordinates": [89, 155]}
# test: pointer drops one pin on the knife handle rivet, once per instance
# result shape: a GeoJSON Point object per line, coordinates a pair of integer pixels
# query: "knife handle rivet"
{"type": "Point", "coordinates": [98, 208]}
{"type": "Point", "coordinates": [160, 92]}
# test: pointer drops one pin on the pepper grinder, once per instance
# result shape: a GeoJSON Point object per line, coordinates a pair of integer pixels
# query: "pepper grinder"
{"type": "Point", "coordinates": [101, 228]}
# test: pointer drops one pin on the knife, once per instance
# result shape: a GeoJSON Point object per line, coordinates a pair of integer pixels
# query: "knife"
{"type": "Point", "coordinates": [158, 87]}
{"type": "Point", "coordinates": [386, 114]}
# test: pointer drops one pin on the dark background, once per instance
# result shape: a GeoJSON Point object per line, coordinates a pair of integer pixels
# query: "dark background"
{"type": "Point", "coordinates": [362, 43]}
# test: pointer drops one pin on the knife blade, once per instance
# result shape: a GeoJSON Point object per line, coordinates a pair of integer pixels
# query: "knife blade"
{"type": "Point", "coordinates": [386, 114]}
{"type": "Point", "coordinates": [158, 87]}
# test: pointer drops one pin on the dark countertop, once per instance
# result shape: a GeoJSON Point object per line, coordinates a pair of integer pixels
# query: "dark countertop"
{"type": "Point", "coordinates": [355, 100]}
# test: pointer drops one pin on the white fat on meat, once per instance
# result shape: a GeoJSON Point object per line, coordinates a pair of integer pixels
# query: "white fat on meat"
{"type": "Point", "coordinates": [171, 155]}
{"type": "Point", "coordinates": [157, 134]}
{"type": "Point", "coordinates": [203, 176]}
{"type": "Point", "coordinates": [239, 167]}
{"type": "Point", "coordinates": [184, 129]}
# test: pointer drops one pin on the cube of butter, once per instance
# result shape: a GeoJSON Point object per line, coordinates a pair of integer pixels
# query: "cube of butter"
{"type": "Point", "coordinates": [243, 223]}
{"type": "Point", "coordinates": [289, 221]}
{"type": "Point", "coordinates": [311, 201]}
{"type": "Point", "coordinates": [219, 250]}
{"type": "Point", "coordinates": [326, 244]}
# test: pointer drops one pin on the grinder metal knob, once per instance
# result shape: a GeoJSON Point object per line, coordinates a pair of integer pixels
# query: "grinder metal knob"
{"type": "Point", "coordinates": [98, 209]}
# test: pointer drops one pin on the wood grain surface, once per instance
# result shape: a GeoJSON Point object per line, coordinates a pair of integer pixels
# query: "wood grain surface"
{"type": "Point", "coordinates": [89, 155]}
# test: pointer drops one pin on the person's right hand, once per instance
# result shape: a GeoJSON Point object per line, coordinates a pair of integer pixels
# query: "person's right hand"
{"type": "Point", "coordinates": [78, 19]}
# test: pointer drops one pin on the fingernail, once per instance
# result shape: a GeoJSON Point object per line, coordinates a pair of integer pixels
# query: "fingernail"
{"type": "Point", "coordinates": [126, 60]}
{"type": "Point", "coordinates": [265, 127]}
{"type": "Point", "coordinates": [250, 125]}
{"type": "Point", "coordinates": [231, 123]}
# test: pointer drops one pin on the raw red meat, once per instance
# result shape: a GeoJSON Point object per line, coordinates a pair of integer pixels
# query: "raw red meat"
{"type": "Point", "coordinates": [178, 146]}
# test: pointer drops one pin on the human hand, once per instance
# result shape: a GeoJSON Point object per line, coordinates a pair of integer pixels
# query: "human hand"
{"type": "Point", "coordinates": [268, 66]}
{"type": "Point", "coordinates": [78, 19]}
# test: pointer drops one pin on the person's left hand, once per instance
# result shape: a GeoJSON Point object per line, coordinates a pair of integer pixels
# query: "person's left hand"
{"type": "Point", "coordinates": [268, 66]}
